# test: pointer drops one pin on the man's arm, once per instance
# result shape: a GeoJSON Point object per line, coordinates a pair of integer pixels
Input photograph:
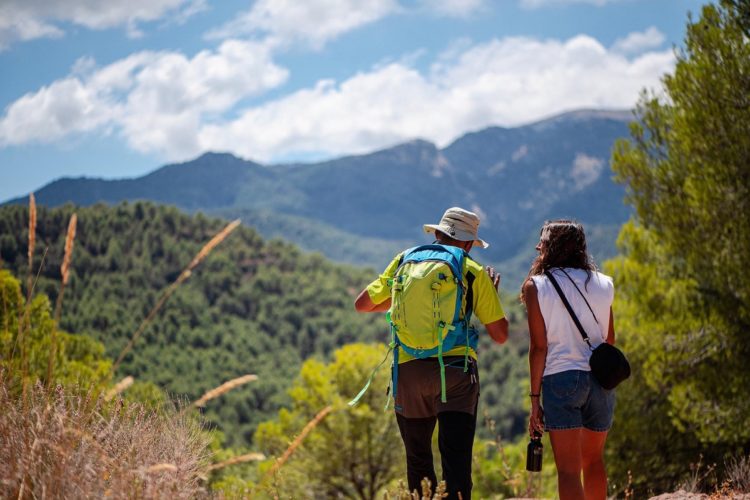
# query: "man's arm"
{"type": "Point", "coordinates": [498, 330]}
{"type": "Point", "coordinates": [365, 304]}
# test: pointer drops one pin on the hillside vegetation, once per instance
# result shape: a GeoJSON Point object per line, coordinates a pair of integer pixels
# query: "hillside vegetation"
{"type": "Point", "coordinates": [251, 307]}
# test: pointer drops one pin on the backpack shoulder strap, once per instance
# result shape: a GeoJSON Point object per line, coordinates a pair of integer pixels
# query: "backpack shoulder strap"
{"type": "Point", "coordinates": [453, 256]}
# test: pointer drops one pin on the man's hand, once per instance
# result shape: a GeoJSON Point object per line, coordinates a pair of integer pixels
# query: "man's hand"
{"type": "Point", "coordinates": [494, 277]}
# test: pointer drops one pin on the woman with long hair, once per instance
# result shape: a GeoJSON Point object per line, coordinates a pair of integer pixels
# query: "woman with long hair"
{"type": "Point", "coordinates": [566, 400]}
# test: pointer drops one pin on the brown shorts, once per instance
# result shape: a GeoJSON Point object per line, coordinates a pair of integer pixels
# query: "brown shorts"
{"type": "Point", "coordinates": [418, 394]}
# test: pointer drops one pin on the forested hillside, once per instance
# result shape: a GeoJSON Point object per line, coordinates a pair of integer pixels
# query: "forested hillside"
{"type": "Point", "coordinates": [251, 307]}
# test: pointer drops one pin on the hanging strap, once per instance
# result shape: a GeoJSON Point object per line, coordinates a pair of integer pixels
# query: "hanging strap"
{"type": "Point", "coordinates": [442, 326]}
{"type": "Point", "coordinates": [569, 308]}
{"type": "Point", "coordinates": [580, 293]}
{"type": "Point", "coordinates": [394, 371]}
{"type": "Point", "coordinates": [443, 398]}
{"type": "Point", "coordinates": [392, 348]}
{"type": "Point", "coordinates": [356, 399]}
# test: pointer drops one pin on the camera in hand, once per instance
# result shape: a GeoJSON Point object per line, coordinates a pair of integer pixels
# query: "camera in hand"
{"type": "Point", "coordinates": [534, 453]}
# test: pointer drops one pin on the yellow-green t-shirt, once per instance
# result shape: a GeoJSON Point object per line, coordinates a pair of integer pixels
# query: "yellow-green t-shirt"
{"type": "Point", "coordinates": [486, 302]}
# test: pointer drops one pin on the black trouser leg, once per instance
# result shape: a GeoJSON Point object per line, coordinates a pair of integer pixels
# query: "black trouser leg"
{"type": "Point", "coordinates": [417, 436]}
{"type": "Point", "coordinates": [456, 439]}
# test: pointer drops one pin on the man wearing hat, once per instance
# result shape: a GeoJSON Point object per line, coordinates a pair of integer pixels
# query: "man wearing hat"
{"type": "Point", "coordinates": [418, 398]}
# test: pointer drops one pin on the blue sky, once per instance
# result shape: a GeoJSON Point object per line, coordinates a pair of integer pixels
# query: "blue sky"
{"type": "Point", "coordinates": [118, 91]}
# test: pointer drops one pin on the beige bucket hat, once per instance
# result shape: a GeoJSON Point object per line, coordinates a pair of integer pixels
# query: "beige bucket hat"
{"type": "Point", "coordinates": [460, 225]}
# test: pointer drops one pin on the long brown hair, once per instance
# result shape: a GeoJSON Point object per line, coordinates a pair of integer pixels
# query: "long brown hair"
{"type": "Point", "coordinates": [563, 244]}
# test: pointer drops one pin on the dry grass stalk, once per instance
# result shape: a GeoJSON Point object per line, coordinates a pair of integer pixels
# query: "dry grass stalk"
{"type": "Point", "coordinates": [65, 272]}
{"type": "Point", "coordinates": [118, 388]}
{"type": "Point", "coordinates": [162, 468]}
{"type": "Point", "coordinates": [32, 244]}
{"type": "Point", "coordinates": [185, 274]}
{"type": "Point", "coordinates": [249, 457]}
{"type": "Point", "coordinates": [69, 239]}
{"type": "Point", "coordinates": [223, 388]}
{"type": "Point", "coordinates": [295, 444]}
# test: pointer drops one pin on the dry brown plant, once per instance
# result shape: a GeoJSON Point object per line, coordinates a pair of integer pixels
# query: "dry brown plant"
{"type": "Point", "coordinates": [293, 446]}
{"type": "Point", "coordinates": [184, 275]}
{"type": "Point", "coordinates": [162, 468]}
{"type": "Point", "coordinates": [32, 244]}
{"type": "Point", "coordinates": [118, 388]}
{"type": "Point", "coordinates": [58, 444]}
{"type": "Point", "coordinates": [240, 459]}
{"type": "Point", "coordinates": [403, 493]}
{"type": "Point", "coordinates": [222, 389]}
{"type": "Point", "coordinates": [65, 272]}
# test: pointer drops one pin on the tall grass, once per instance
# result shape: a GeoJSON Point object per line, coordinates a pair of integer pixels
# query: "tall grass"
{"type": "Point", "coordinates": [118, 388]}
{"type": "Point", "coordinates": [184, 275]}
{"type": "Point", "coordinates": [65, 273]}
{"type": "Point", "coordinates": [32, 244]}
{"type": "Point", "coordinates": [223, 389]}
{"type": "Point", "coordinates": [293, 446]}
{"type": "Point", "coordinates": [57, 445]}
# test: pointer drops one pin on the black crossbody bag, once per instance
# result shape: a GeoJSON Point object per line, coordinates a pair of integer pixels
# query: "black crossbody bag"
{"type": "Point", "coordinates": [608, 364]}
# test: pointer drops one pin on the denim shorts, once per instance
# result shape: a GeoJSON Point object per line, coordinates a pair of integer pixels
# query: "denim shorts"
{"type": "Point", "coordinates": [573, 399]}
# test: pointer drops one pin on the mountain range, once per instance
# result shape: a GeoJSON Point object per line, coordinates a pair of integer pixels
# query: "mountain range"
{"type": "Point", "coordinates": [360, 209]}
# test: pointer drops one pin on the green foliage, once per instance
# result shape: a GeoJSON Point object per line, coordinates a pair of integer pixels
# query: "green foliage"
{"type": "Point", "coordinates": [683, 288]}
{"type": "Point", "coordinates": [25, 343]}
{"type": "Point", "coordinates": [250, 307]}
{"type": "Point", "coordinates": [499, 470]}
{"type": "Point", "coordinates": [353, 452]}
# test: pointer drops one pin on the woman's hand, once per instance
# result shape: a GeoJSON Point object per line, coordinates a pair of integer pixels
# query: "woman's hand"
{"type": "Point", "coordinates": [536, 419]}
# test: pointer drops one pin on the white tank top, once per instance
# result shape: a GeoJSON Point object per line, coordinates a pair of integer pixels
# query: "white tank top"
{"type": "Point", "coordinates": [566, 349]}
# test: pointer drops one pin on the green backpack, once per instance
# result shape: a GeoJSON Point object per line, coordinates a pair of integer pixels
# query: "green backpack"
{"type": "Point", "coordinates": [425, 318]}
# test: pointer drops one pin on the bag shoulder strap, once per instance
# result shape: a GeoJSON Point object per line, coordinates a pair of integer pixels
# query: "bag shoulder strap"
{"type": "Point", "coordinates": [580, 293]}
{"type": "Point", "coordinates": [568, 307]}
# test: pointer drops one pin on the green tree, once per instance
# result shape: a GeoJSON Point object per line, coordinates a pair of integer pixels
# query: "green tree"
{"type": "Point", "coordinates": [683, 288]}
{"type": "Point", "coordinates": [354, 452]}
{"type": "Point", "coordinates": [25, 343]}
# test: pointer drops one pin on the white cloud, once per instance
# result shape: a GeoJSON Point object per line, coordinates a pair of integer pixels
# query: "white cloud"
{"type": "Point", "coordinates": [53, 112]}
{"type": "Point", "coordinates": [22, 20]}
{"type": "Point", "coordinates": [509, 82]}
{"type": "Point", "coordinates": [157, 100]}
{"type": "Point", "coordinates": [311, 21]}
{"type": "Point", "coordinates": [177, 107]}
{"type": "Point", "coordinates": [535, 4]}
{"type": "Point", "coordinates": [639, 41]}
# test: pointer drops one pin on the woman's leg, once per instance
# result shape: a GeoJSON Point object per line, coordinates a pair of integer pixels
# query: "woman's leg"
{"type": "Point", "coordinates": [592, 460]}
{"type": "Point", "coordinates": [566, 446]}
